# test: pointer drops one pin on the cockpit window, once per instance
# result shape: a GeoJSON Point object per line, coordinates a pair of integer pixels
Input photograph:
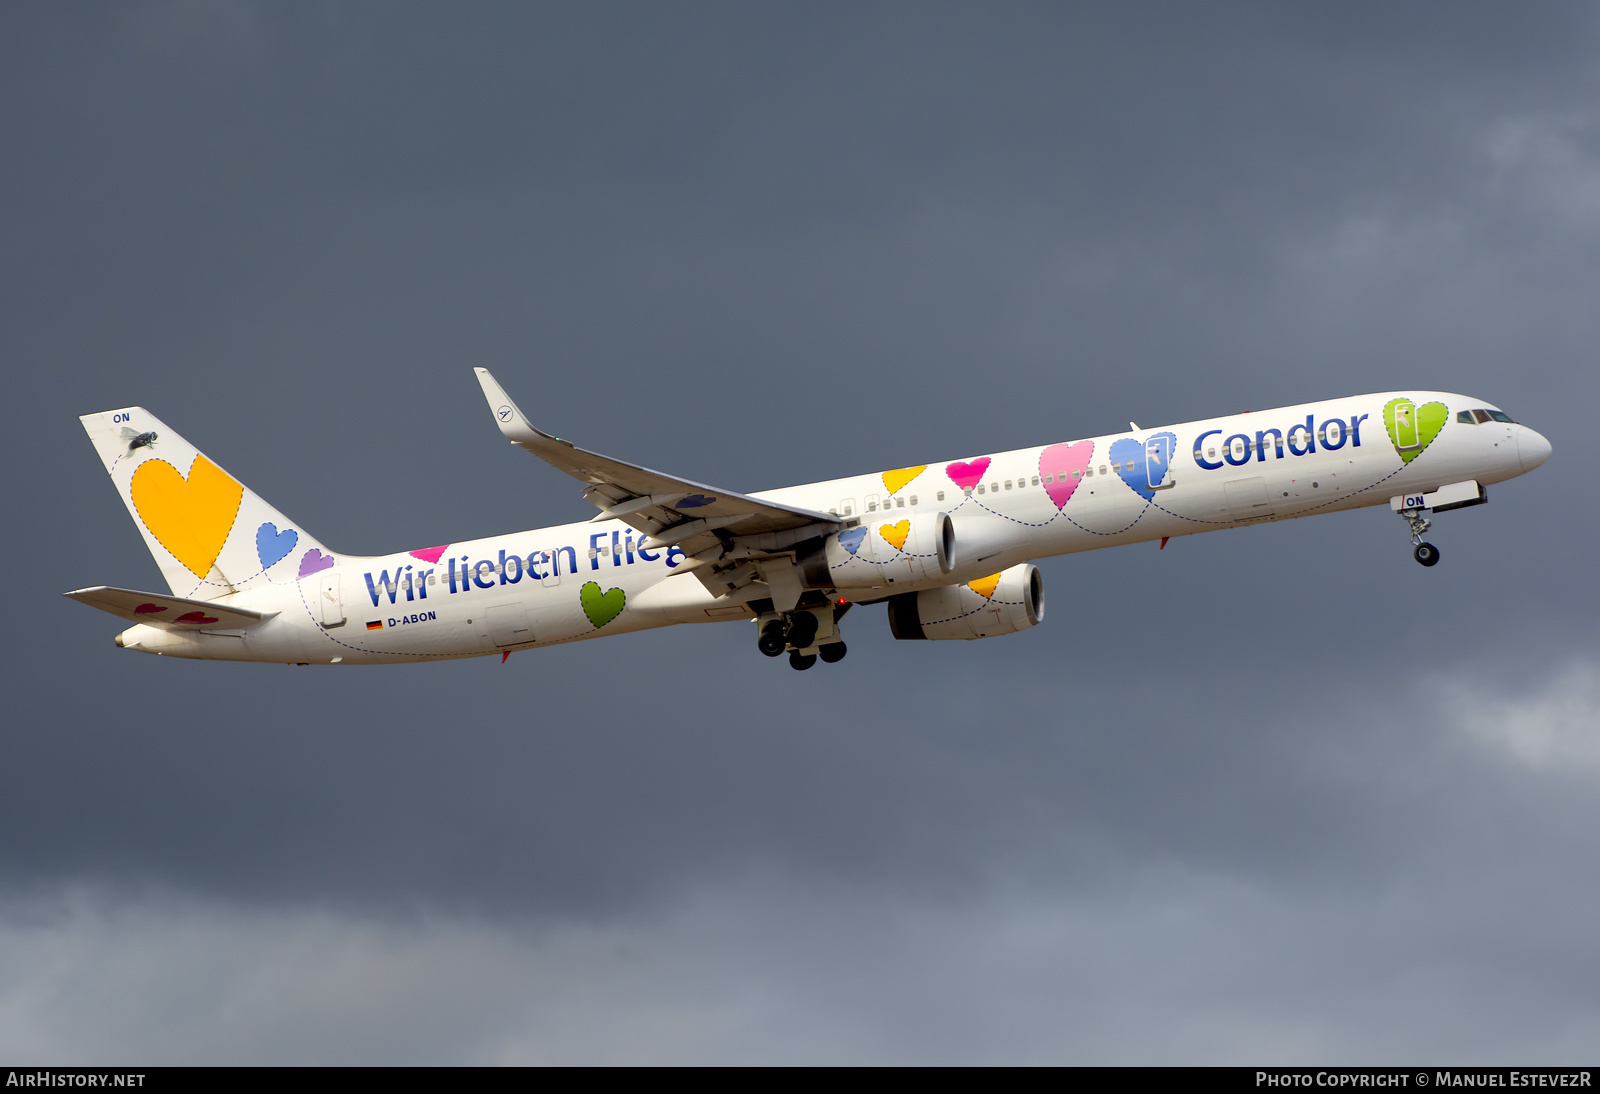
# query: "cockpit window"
{"type": "Point", "coordinates": [1501, 416]}
{"type": "Point", "coordinates": [1466, 418]}
{"type": "Point", "coordinates": [1481, 415]}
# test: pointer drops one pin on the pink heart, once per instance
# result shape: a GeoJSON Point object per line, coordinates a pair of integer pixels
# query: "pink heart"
{"type": "Point", "coordinates": [195, 617]}
{"type": "Point", "coordinates": [143, 608]}
{"type": "Point", "coordinates": [1059, 461]}
{"type": "Point", "coordinates": [431, 554]}
{"type": "Point", "coordinates": [968, 475]}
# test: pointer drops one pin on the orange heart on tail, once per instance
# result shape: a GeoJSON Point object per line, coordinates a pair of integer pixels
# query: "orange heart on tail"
{"type": "Point", "coordinates": [896, 534]}
{"type": "Point", "coordinates": [189, 517]}
{"type": "Point", "coordinates": [894, 480]}
{"type": "Point", "coordinates": [985, 586]}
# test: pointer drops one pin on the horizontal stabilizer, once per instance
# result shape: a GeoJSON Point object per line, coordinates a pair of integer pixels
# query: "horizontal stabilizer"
{"type": "Point", "coordinates": [169, 612]}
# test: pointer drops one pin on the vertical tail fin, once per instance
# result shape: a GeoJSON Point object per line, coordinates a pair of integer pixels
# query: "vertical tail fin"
{"type": "Point", "coordinates": [209, 533]}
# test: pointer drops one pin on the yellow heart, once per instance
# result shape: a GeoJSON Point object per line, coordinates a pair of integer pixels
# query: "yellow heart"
{"type": "Point", "coordinates": [896, 534]}
{"type": "Point", "coordinates": [985, 586]}
{"type": "Point", "coordinates": [191, 518]}
{"type": "Point", "coordinates": [894, 480]}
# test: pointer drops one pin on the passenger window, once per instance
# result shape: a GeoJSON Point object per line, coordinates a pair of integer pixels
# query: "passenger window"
{"type": "Point", "coordinates": [1050, 478]}
{"type": "Point", "coordinates": [901, 502]}
{"type": "Point", "coordinates": [913, 501]}
{"type": "Point", "coordinates": [1212, 452]}
{"type": "Point", "coordinates": [872, 507]}
{"type": "Point", "coordinates": [1128, 466]}
{"type": "Point", "coordinates": [980, 488]}
{"type": "Point", "coordinates": [994, 488]}
{"type": "Point", "coordinates": [939, 496]}
{"type": "Point", "coordinates": [1102, 469]}
{"type": "Point", "coordinates": [1466, 418]}
{"type": "Point", "coordinates": [1008, 484]}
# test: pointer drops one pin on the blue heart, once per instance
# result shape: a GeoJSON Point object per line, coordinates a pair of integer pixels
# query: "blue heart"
{"type": "Point", "coordinates": [273, 545]}
{"type": "Point", "coordinates": [693, 501]}
{"type": "Point", "coordinates": [851, 540]}
{"type": "Point", "coordinates": [1150, 460]}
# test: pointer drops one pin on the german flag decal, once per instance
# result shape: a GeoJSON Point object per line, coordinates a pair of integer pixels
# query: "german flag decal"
{"type": "Point", "coordinates": [375, 625]}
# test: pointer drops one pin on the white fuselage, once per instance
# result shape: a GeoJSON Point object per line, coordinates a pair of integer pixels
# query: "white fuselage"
{"type": "Point", "coordinates": [484, 596]}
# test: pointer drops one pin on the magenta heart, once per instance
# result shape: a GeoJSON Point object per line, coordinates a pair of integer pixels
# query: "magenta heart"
{"type": "Point", "coordinates": [195, 617]}
{"type": "Point", "coordinates": [143, 608]}
{"type": "Point", "coordinates": [1058, 462]}
{"type": "Point", "coordinates": [431, 554]}
{"type": "Point", "coordinates": [314, 561]}
{"type": "Point", "coordinates": [967, 475]}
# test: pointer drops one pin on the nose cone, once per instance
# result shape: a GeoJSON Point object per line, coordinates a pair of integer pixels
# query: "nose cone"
{"type": "Point", "coordinates": [1532, 449]}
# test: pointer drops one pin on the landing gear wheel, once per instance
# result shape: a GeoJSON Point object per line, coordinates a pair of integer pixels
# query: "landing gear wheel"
{"type": "Point", "coordinates": [801, 661]}
{"type": "Point", "coordinates": [802, 630]}
{"type": "Point", "coordinates": [832, 653]}
{"type": "Point", "coordinates": [771, 641]}
{"type": "Point", "coordinates": [1427, 554]}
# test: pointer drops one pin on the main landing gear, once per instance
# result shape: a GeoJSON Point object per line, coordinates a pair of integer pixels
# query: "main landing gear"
{"type": "Point", "coordinates": [799, 632]}
{"type": "Point", "coordinates": [1425, 553]}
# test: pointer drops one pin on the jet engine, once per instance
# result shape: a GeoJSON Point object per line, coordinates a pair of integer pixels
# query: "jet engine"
{"type": "Point", "coordinates": [1012, 600]}
{"type": "Point", "coordinates": [880, 553]}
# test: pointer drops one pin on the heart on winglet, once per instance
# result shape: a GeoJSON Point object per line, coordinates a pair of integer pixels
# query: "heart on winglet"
{"type": "Point", "coordinates": [985, 586]}
{"type": "Point", "coordinates": [969, 474]}
{"type": "Point", "coordinates": [144, 609]}
{"type": "Point", "coordinates": [601, 608]}
{"type": "Point", "coordinates": [431, 554]}
{"type": "Point", "coordinates": [1059, 462]}
{"type": "Point", "coordinates": [314, 562]}
{"type": "Point", "coordinates": [893, 481]}
{"type": "Point", "coordinates": [273, 546]}
{"type": "Point", "coordinates": [895, 534]}
{"type": "Point", "coordinates": [851, 540]}
{"type": "Point", "coordinates": [1412, 428]}
{"type": "Point", "coordinates": [195, 617]}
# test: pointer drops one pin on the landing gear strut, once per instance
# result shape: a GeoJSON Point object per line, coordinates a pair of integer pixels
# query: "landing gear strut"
{"type": "Point", "coordinates": [1425, 553]}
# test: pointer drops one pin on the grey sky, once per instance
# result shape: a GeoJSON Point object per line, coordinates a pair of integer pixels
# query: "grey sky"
{"type": "Point", "coordinates": [1275, 794]}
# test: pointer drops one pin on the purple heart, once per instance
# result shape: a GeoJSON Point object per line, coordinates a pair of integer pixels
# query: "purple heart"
{"type": "Point", "coordinates": [314, 561]}
{"type": "Point", "coordinates": [693, 501]}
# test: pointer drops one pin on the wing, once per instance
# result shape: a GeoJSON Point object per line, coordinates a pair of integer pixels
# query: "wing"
{"type": "Point", "coordinates": [705, 522]}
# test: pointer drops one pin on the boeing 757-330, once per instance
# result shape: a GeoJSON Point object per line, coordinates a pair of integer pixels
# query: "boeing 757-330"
{"type": "Point", "coordinates": [947, 545]}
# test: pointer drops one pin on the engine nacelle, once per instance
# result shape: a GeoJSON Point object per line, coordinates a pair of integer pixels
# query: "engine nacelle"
{"type": "Point", "coordinates": [880, 553]}
{"type": "Point", "coordinates": [1012, 600]}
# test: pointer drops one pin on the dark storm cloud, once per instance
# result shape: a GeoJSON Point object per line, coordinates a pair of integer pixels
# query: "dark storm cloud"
{"type": "Point", "coordinates": [763, 245]}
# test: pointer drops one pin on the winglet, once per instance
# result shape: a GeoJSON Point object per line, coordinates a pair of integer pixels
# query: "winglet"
{"type": "Point", "coordinates": [513, 423]}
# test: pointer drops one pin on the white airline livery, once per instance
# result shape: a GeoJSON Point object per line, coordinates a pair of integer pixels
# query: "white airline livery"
{"type": "Point", "coordinates": [946, 545]}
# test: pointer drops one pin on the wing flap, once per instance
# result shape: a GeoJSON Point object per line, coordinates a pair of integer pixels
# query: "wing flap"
{"type": "Point", "coordinates": [174, 613]}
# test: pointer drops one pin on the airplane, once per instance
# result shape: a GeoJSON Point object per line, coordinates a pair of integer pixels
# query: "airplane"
{"type": "Point", "coordinates": [948, 547]}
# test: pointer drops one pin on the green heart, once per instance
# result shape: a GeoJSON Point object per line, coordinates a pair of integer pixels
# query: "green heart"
{"type": "Point", "coordinates": [1416, 428]}
{"type": "Point", "coordinates": [601, 608]}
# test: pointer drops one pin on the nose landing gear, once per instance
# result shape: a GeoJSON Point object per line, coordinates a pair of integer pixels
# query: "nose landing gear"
{"type": "Point", "coordinates": [1425, 553]}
